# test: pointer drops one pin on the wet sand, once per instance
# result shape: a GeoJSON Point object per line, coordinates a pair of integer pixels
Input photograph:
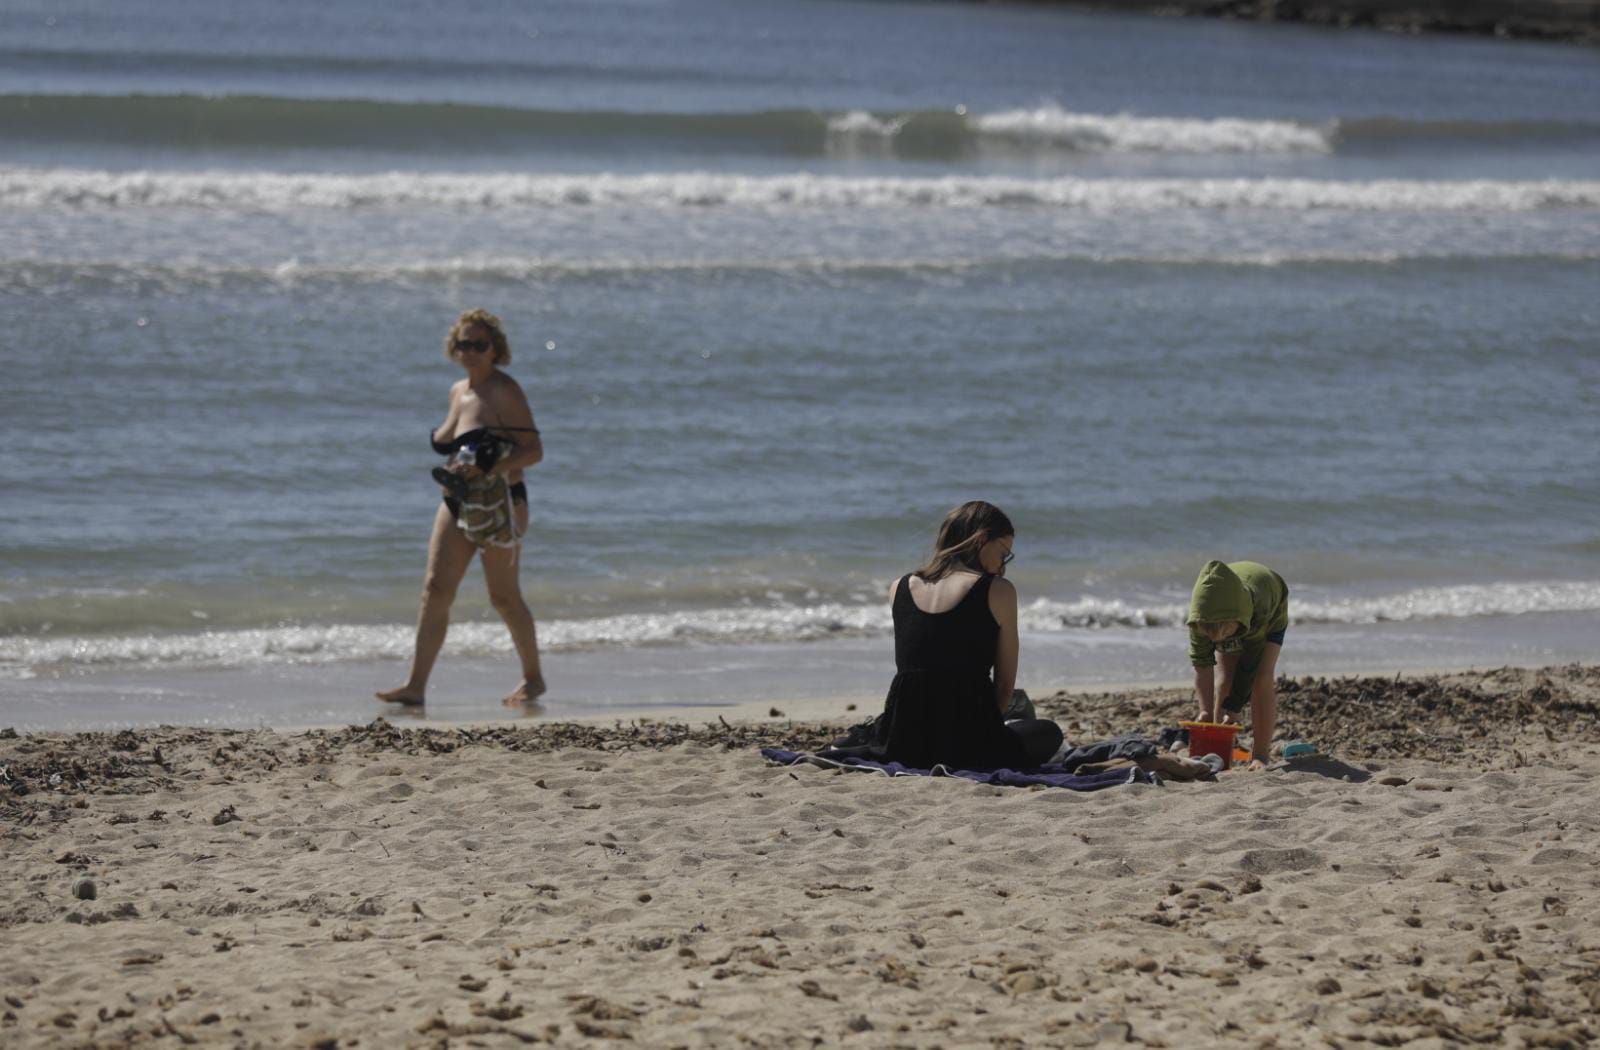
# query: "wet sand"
{"type": "Point", "coordinates": [1431, 882]}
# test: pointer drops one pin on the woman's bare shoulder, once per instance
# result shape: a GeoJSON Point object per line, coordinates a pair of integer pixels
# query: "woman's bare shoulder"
{"type": "Point", "coordinates": [507, 382]}
{"type": "Point", "coordinates": [1003, 590]}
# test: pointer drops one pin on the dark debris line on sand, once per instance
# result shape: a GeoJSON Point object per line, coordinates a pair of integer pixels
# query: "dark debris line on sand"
{"type": "Point", "coordinates": [1469, 716]}
{"type": "Point", "coordinates": [1442, 718]}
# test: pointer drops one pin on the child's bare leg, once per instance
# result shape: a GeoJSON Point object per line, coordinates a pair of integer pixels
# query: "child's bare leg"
{"type": "Point", "coordinates": [1264, 704]}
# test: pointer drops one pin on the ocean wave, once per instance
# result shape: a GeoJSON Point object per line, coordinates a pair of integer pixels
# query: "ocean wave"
{"type": "Point", "coordinates": [1458, 601]}
{"type": "Point", "coordinates": [191, 121]}
{"type": "Point", "coordinates": [25, 655]}
{"type": "Point", "coordinates": [33, 277]}
{"type": "Point", "coordinates": [276, 192]}
{"type": "Point", "coordinates": [204, 122]}
{"type": "Point", "coordinates": [1125, 133]}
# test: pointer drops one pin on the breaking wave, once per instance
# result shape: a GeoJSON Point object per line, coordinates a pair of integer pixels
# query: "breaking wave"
{"type": "Point", "coordinates": [23, 655]}
{"type": "Point", "coordinates": [273, 192]}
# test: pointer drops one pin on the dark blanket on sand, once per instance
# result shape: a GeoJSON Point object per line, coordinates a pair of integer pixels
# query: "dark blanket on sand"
{"type": "Point", "coordinates": [1046, 776]}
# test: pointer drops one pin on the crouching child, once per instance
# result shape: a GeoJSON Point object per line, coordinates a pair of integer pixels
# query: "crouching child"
{"type": "Point", "coordinates": [1237, 619]}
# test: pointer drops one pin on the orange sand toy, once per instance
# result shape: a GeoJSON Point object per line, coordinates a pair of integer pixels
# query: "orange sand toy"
{"type": "Point", "coordinates": [1213, 738]}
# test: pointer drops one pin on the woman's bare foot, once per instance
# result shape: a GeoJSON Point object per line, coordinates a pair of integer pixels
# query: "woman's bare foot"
{"type": "Point", "coordinates": [401, 696]}
{"type": "Point", "coordinates": [528, 692]}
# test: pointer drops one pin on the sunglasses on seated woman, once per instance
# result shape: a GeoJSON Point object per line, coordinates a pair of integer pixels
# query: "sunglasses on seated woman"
{"type": "Point", "coordinates": [475, 345]}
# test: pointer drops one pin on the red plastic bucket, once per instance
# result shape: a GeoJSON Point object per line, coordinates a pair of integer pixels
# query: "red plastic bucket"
{"type": "Point", "coordinates": [1212, 738]}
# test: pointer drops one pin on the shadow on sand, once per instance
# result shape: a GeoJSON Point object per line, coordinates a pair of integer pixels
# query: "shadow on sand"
{"type": "Point", "coordinates": [1326, 766]}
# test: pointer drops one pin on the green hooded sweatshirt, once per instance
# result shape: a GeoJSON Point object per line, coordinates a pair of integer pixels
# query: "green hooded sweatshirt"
{"type": "Point", "coordinates": [1244, 591]}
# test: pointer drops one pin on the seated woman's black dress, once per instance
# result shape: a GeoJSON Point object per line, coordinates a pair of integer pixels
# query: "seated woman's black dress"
{"type": "Point", "coordinates": [941, 704]}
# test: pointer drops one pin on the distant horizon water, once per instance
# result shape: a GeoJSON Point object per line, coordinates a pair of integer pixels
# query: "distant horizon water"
{"type": "Point", "coordinates": [784, 282]}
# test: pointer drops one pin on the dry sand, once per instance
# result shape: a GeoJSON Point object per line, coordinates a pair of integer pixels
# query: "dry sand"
{"type": "Point", "coordinates": [1435, 885]}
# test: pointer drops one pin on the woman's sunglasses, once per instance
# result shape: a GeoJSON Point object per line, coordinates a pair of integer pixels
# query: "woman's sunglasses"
{"type": "Point", "coordinates": [475, 345]}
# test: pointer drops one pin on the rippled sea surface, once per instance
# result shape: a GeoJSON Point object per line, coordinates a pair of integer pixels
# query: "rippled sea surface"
{"type": "Point", "coordinates": [785, 281]}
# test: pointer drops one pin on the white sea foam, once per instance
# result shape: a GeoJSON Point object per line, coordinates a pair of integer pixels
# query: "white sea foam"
{"type": "Point", "coordinates": [860, 122]}
{"type": "Point", "coordinates": [272, 191]}
{"type": "Point", "coordinates": [1124, 133]}
{"type": "Point", "coordinates": [24, 656]}
{"type": "Point", "coordinates": [1424, 603]}
{"type": "Point", "coordinates": [32, 277]}
{"type": "Point", "coordinates": [317, 644]}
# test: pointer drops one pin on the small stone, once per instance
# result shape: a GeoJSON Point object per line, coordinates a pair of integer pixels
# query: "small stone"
{"type": "Point", "coordinates": [85, 890]}
{"type": "Point", "coordinates": [1027, 981]}
{"type": "Point", "coordinates": [859, 1023]}
{"type": "Point", "coordinates": [644, 898]}
{"type": "Point", "coordinates": [814, 990]}
{"type": "Point", "coordinates": [773, 712]}
{"type": "Point", "coordinates": [1328, 986]}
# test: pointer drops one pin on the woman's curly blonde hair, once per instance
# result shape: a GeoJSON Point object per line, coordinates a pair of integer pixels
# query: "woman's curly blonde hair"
{"type": "Point", "coordinates": [489, 323]}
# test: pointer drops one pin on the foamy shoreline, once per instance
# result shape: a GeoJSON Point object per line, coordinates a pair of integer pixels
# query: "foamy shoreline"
{"type": "Point", "coordinates": [563, 884]}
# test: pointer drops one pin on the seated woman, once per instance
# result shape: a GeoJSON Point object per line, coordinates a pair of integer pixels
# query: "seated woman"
{"type": "Point", "coordinates": [955, 622]}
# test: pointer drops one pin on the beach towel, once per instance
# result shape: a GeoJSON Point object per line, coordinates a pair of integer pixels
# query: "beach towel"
{"type": "Point", "coordinates": [1048, 776]}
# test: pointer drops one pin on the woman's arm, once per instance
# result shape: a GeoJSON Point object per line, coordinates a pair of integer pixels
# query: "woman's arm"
{"type": "Point", "coordinates": [516, 417]}
{"type": "Point", "coordinates": [452, 415]}
{"type": "Point", "coordinates": [1003, 604]}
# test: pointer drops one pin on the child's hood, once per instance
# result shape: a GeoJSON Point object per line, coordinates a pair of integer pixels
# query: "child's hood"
{"type": "Point", "coordinates": [1219, 594]}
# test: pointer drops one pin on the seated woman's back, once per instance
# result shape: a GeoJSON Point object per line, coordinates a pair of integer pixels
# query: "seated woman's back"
{"type": "Point", "coordinates": [955, 639]}
{"type": "Point", "coordinates": [953, 629]}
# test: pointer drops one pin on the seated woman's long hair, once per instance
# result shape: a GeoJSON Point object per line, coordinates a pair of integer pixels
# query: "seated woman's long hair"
{"type": "Point", "coordinates": [962, 534]}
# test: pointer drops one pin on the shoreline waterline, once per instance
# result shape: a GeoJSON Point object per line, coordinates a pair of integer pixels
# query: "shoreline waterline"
{"type": "Point", "coordinates": [806, 680]}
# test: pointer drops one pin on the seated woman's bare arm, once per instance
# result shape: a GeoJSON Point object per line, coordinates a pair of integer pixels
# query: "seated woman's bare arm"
{"type": "Point", "coordinates": [1003, 604]}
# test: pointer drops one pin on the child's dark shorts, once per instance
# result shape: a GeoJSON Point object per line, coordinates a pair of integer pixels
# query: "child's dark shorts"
{"type": "Point", "coordinates": [1244, 679]}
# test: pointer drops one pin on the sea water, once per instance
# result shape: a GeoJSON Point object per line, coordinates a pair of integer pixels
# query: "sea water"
{"type": "Point", "coordinates": [784, 283]}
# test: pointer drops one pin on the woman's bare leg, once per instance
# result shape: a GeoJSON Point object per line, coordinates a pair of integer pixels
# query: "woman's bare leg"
{"type": "Point", "coordinates": [500, 566]}
{"type": "Point", "coordinates": [449, 554]}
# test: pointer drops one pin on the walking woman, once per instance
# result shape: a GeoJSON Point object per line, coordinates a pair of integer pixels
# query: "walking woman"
{"type": "Point", "coordinates": [489, 439]}
{"type": "Point", "coordinates": [955, 651]}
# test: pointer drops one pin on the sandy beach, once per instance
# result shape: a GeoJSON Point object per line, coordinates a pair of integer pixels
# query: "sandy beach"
{"type": "Point", "coordinates": [1430, 882]}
